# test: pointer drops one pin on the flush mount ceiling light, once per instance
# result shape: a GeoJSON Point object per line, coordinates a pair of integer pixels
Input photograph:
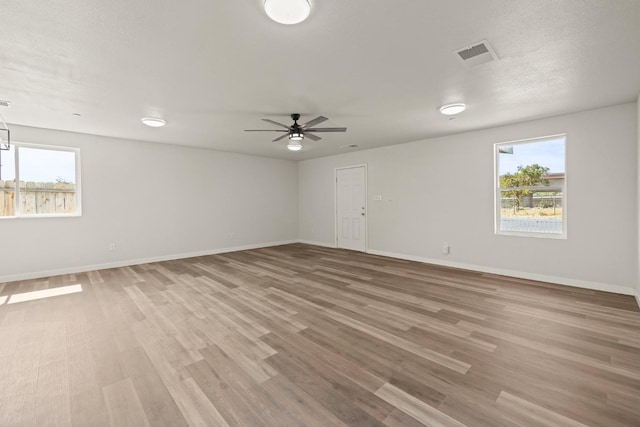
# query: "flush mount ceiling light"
{"type": "Point", "coordinates": [153, 122]}
{"type": "Point", "coordinates": [287, 11]}
{"type": "Point", "coordinates": [451, 109]}
{"type": "Point", "coordinates": [294, 146]}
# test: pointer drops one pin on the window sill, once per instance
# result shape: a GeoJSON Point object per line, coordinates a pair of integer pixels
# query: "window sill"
{"type": "Point", "coordinates": [561, 236]}
{"type": "Point", "coordinates": [37, 216]}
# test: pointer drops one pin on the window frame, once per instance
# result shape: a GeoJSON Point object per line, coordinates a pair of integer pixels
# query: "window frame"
{"type": "Point", "coordinates": [497, 193]}
{"type": "Point", "coordinates": [78, 193]}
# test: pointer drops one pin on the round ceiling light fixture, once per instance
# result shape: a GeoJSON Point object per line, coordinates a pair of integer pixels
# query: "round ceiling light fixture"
{"type": "Point", "coordinates": [294, 146]}
{"type": "Point", "coordinates": [451, 109]}
{"type": "Point", "coordinates": [153, 122]}
{"type": "Point", "coordinates": [287, 12]}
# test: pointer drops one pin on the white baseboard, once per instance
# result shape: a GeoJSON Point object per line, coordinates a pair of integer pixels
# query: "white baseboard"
{"type": "Point", "coordinates": [637, 295]}
{"type": "Point", "coordinates": [323, 244]}
{"type": "Point", "coordinates": [585, 284]}
{"type": "Point", "coordinates": [125, 263]}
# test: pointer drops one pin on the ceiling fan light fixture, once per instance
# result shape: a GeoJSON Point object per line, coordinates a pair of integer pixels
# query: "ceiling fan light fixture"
{"type": "Point", "coordinates": [296, 136]}
{"type": "Point", "coordinates": [451, 109]}
{"type": "Point", "coordinates": [153, 122]}
{"type": "Point", "coordinates": [294, 146]}
{"type": "Point", "coordinates": [287, 12]}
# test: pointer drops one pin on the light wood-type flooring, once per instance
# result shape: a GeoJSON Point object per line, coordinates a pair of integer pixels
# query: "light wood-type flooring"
{"type": "Point", "coordinates": [303, 335]}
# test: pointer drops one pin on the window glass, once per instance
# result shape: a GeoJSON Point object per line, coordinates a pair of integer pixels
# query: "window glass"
{"type": "Point", "coordinates": [531, 187]}
{"type": "Point", "coordinates": [47, 181]}
{"type": "Point", "coordinates": [45, 177]}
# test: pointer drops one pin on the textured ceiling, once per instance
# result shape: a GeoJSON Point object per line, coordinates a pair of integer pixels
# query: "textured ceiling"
{"type": "Point", "coordinates": [381, 68]}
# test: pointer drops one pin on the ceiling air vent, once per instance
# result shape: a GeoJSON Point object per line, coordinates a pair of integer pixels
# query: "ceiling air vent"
{"type": "Point", "coordinates": [477, 54]}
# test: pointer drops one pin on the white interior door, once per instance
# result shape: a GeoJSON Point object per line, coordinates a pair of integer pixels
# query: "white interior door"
{"type": "Point", "coordinates": [351, 208]}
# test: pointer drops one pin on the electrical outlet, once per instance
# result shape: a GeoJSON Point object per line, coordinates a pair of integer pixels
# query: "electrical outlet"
{"type": "Point", "coordinates": [446, 249]}
{"type": "Point", "coordinates": [111, 247]}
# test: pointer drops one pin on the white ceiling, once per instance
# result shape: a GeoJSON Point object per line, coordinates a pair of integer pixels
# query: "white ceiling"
{"type": "Point", "coordinates": [212, 68]}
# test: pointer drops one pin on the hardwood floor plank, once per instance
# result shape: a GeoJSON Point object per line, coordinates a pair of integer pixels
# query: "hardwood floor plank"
{"type": "Point", "coordinates": [397, 418]}
{"type": "Point", "coordinates": [477, 413]}
{"type": "Point", "coordinates": [157, 403]}
{"type": "Point", "coordinates": [123, 406]}
{"type": "Point", "coordinates": [310, 350]}
{"type": "Point", "coordinates": [416, 408]}
{"type": "Point", "coordinates": [195, 406]}
{"type": "Point", "coordinates": [87, 405]}
{"type": "Point", "coordinates": [321, 391]}
{"type": "Point", "coordinates": [255, 397]}
{"type": "Point", "coordinates": [532, 414]}
{"type": "Point", "coordinates": [300, 406]}
{"type": "Point", "coordinates": [52, 395]}
{"type": "Point", "coordinates": [233, 408]}
{"type": "Point", "coordinates": [340, 383]}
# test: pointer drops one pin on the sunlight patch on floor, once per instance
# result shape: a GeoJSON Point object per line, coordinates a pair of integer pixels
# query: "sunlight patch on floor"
{"type": "Point", "coordinates": [44, 293]}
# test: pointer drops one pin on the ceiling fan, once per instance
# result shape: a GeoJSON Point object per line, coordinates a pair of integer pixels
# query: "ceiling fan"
{"type": "Point", "coordinates": [296, 132]}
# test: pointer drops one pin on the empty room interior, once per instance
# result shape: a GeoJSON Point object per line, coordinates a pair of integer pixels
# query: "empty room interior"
{"type": "Point", "coordinates": [320, 213]}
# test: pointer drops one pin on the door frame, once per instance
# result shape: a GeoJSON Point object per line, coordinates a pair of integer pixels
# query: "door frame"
{"type": "Point", "coordinates": [366, 204]}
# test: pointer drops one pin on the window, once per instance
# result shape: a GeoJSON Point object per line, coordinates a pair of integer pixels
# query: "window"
{"type": "Point", "coordinates": [48, 180]}
{"type": "Point", "coordinates": [530, 191]}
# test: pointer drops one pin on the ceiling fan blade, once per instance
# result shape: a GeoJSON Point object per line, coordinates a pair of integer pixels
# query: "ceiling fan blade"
{"type": "Point", "coordinates": [280, 137]}
{"type": "Point", "coordinates": [326, 130]}
{"type": "Point", "coordinates": [314, 122]}
{"type": "Point", "coordinates": [312, 136]}
{"type": "Point", "coordinates": [275, 123]}
{"type": "Point", "coordinates": [265, 130]}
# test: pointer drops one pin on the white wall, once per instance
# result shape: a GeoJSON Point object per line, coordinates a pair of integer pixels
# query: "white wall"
{"type": "Point", "coordinates": [638, 206]}
{"type": "Point", "coordinates": [153, 201]}
{"type": "Point", "coordinates": [442, 190]}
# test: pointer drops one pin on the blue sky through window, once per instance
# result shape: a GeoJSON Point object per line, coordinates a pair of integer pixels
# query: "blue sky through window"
{"type": "Point", "coordinates": [548, 153]}
{"type": "Point", "coordinates": [39, 165]}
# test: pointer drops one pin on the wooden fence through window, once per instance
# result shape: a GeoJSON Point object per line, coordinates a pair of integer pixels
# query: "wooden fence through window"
{"type": "Point", "coordinates": [38, 198]}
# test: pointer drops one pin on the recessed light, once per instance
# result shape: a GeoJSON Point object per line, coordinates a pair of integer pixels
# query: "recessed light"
{"type": "Point", "coordinates": [349, 146]}
{"type": "Point", "coordinates": [294, 146]}
{"type": "Point", "coordinates": [287, 11]}
{"type": "Point", "coordinates": [451, 109]}
{"type": "Point", "coordinates": [153, 122]}
{"type": "Point", "coordinates": [4, 103]}
{"type": "Point", "coordinates": [78, 115]}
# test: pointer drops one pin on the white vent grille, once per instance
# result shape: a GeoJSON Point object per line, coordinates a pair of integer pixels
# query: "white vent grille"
{"type": "Point", "coordinates": [476, 54]}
